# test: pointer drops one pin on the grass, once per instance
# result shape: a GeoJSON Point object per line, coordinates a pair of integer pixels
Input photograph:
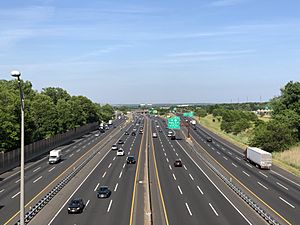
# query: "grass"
{"type": "Point", "coordinates": [288, 160]}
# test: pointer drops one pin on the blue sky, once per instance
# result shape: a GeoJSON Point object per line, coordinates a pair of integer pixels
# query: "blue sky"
{"type": "Point", "coordinates": [137, 51]}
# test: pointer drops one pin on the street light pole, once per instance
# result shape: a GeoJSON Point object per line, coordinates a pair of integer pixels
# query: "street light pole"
{"type": "Point", "coordinates": [17, 74]}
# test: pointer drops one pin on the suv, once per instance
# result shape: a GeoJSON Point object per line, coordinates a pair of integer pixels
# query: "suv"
{"type": "Point", "coordinates": [173, 137]}
{"type": "Point", "coordinates": [76, 206]}
{"type": "Point", "coordinates": [130, 160]}
{"type": "Point", "coordinates": [103, 192]}
{"type": "Point", "coordinates": [178, 163]}
{"type": "Point", "coordinates": [154, 135]}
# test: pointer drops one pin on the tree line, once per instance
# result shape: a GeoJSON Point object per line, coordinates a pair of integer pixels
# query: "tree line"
{"type": "Point", "coordinates": [49, 112]}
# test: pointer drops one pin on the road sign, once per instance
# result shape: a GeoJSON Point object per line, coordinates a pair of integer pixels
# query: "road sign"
{"type": "Point", "coordinates": [189, 114]}
{"type": "Point", "coordinates": [174, 122]}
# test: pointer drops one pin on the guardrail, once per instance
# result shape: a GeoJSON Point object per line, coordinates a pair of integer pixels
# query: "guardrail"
{"type": "Point", "coordinates": [44, 201]}
{"type": "Point", "coordinates": [267, 217]}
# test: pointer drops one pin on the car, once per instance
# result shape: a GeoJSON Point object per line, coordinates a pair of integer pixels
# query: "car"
{"type": "Point", "coordinates": [157, 126]}
{"type": "Point", "coordinates": [141, 131]}
{"type": "Point", "coordinates": [194, 128]}
{"type": "Point", "coordinates": [102, 130]}
{"type": "Point", "coordinates": [120, 142]}
{"type": "Point", "coordinates": [97, 135]}
{"type": "Point", "coordinates": [103, 192]}
{"type": "Point", "coordinates": [120, 152]}
{"type": "Point", "coordinates": [133, 133]}
{"type": "Point", "coordinates": [170, 133]}
{"type": "Point", "coordinates": [154, 135]}
{"type": "Point", "coordinates": [107, 128]}
{"type": "Point", "coordinates": [114, 147]}
{"type": "Point", "coordinates": [178, 163]}
{"type": "Point", "coordinates": [76, 205]}
{"type": "Point", "coordinates": [173, 137]}
{"type": "Point", "coordinates": [126, 133]}
{"type": "Point", "coordinates": [209, 139]}
{"type": "Point", "coordinates": [130, 160]}
{"type": "Point", "coordinates": [160, 131]}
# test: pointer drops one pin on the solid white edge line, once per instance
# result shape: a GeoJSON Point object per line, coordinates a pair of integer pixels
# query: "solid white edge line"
{"type": "Point", "coordinates": [215, 185]}
{"type": "Point", "coordinates": [77, 189]}
{"type": "Point", "coordinates": [188, 208]}
{"type": "Point", "coordinates": [213, 209]}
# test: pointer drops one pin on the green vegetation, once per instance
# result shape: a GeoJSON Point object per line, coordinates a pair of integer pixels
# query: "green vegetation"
{"type": "Point", "coordinates": [47, 113]}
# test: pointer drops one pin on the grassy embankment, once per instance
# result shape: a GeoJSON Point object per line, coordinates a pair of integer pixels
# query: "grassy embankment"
{"type": "Point", "coordinates": [288, 160]}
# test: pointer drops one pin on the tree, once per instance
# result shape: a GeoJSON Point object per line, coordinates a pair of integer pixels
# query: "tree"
{"type": "Point", "coordinates": [273, 136]}
{"type": "Point", "coordinates": [56, 94]}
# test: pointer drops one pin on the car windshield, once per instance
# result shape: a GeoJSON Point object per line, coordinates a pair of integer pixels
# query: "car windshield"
{"type": "Point", "coordinates": [102, 189]}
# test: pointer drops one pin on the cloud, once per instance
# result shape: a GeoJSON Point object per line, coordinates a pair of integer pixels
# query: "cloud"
{"type": "Point", "coordinates": [211, 53]}
{"type": "Point", "coordinates": [220, 3]}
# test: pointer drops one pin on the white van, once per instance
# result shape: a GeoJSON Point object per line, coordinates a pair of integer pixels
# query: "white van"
{"type": "Point", "coordinates": [55, 156]}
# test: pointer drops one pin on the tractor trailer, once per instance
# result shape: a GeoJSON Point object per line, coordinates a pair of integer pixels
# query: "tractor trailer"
{"type": "Point", "coordinates": [259, 157]}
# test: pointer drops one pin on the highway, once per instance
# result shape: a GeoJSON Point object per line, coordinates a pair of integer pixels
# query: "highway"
{"type": "Point", "coordinates": [190, 196]}
{"type": "Point", "coordinates": [111, 171]}
{"type": "Point", "coordinates": [39, 175]}
{"type": "Point", "coordinates": [279, 193]}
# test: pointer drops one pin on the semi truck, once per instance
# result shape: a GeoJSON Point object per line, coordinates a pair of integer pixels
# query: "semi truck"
{"type": "Point", "coordinates": [259, 157]}
{"type": "Point", "coordinates": [55, 156]}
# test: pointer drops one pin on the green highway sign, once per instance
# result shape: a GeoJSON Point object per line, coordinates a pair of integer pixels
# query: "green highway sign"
{"type": "Point", "coordinates": [174, 122]}
{"type": "Point", "coordinates": [189, 114]}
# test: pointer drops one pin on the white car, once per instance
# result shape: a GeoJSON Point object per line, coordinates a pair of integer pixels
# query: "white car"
{"type": "Point", "coordinates": [97, 135]}
{"type": "Point", "coordinates": [157, 125]}
{"type": "Point", "coordinates": [120, 152]}
{"type": "Point", "coordinates": [170, 133]}
{"type": "Point", "coordinates": [154, 135]}
{"type": "Point", "coordinates": [114, 147]}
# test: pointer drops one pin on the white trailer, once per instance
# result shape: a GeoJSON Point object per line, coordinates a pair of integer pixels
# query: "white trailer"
{"type": "Point", "coordinates": [259, 157]}
{"type": "Point", "coordinates": [55, 156]}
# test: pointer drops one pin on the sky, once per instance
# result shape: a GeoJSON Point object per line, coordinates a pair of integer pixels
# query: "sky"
{"type": "Point", "coordinates": [154, 51]}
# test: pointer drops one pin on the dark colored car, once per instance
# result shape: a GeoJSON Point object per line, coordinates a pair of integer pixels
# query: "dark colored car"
{"type": "Point", "coordinates": [76, 206]}
{"type": "Point", "coordinates": [173, 137]}
{"type": "Point", "coordinates": [120, 142]}
{"type": "Point", "coordinates": [209, 139]}
{"type": "Point", "coordinates": [126, 133]}
{"type": "Point", "coordinates": [141, 131]}
{"type": "Point", "coordinates": [102, 130]}
{"type": "Point", "coordinates": [160, 131]}
{"type": "Point", "coordinates": [103, 192]}
{"type": "Point", "coordinates": [133, 133]}
{"type": "Point", "coordinates": [178, 163]}
{"type": "Point", "coordinates": [130, 160]}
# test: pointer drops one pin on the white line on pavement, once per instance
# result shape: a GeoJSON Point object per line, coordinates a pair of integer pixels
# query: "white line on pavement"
{"type": "Point", "coordinates": [191, 176]}
{"type": "Point", "coordinates": [272, 171]}
{"type": "Point", "coordinates": [116, 187]}
{"type": "Point", "coordinates": [249, 165]}
{"type": "Point", "coordinates": [263, 174]}
{"type": "Point", "coordinates": [17, 181]}
{"type": "Point", "coordinates": [238, 158]}
{"type": "Point", "coordinates": [234, 165]}
{"type": "Point", "coordinates": [109, 165]}
{"type": "Point", "coordinates": [36, 180]}
{"type": "Point", "coordinates": [219, 153]}
{"type": "Point", "coordinates": [225, 158]}
{"type": "Point", "coordinates": [2, 190]}
{"type": "Point", "coordinates": [200, 189]}
{"type": "Point", "coordinates": [229, 153]}
{"type": "Point", "coordinates": [120, 174]}
{"type": "Point", "coordinates": [184, 167]}
{"type": "Point", "coordinates": [87, 203]}
{"type": "Point", "coordinates": [286, 202]}
{"type": "Point", "coordinates": [15, 195]}
{"type": "Point", "coordinates": [36, 169]}
{"type": "Point", "coordinates": [213, 209]}
{"type": "Point", "coordinates": [71, 155]}
{"type": "Point", "coordinates": [104, 174]}
{"type": "Point", "coordinates": [174, 176]}
{"type": "Point", "coordinates": [114, 158]}
{"type": "Point", "coordinates": [109, 205]}
{"type": "Point", "coordinates": [170, 167]}
{"type": "Point", "coordinates": [96, 187]}
{"type": "Point", "coordinates": [188, 208]}
{"type": "Point", "coordinates": [179, 189]}
{"type": "Point", "coordinates": [246, 173]}
{"type": "Point", "coordinates": [282, 186]}
{"type": "Point", "coordinates": [167, 159]}
{"type": "Point", "coordinates": [263, 185]}
{"type": "Point", "coordinates": [51, 169]}
{"type": "Point", "coordinates": [124, 165]}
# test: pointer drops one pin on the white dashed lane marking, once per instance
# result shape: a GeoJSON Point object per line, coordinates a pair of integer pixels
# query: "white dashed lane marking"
{"type": "Point", "coordinates": [282, 186]}
{"type": "Point", "coordinates": [213, 209]}
{"type": "Point", "coordinates": [179, 189]}
{"type": "Point", "coordinates": [234, 165]}
{"type": "Point", "coordinates": [246, 173]}
{"type": "Point", "coordinates": [287, 202]}
{"type": "Point", "coordinates": [263, 185]}
{"type": "Point", "coordinates": [200, 189]}
{"type": "Point", "coordinates": [188, 208]}
{"type": "Point", "coordinates": [96, 187]}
